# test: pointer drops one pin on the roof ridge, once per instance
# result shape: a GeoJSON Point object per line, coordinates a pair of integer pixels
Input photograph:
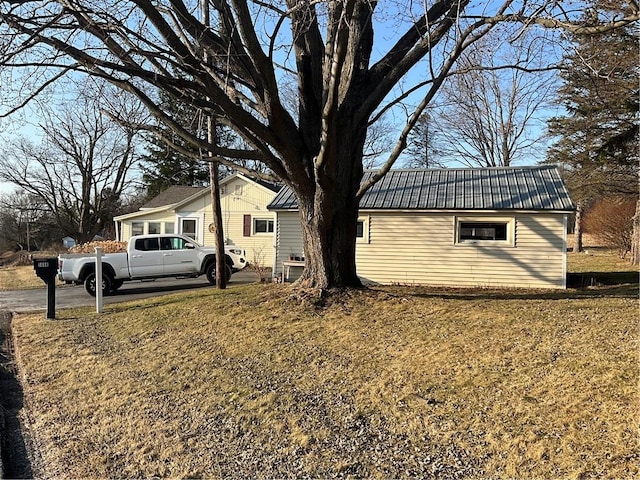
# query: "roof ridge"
{"type": "Point", "coordinates": [511, 167]}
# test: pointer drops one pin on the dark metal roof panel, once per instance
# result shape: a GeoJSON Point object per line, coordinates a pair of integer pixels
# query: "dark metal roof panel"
{"type": "Point", "coordinates": [512, 188]}
{"type": "Point", "coordinates": [284, 200]}
{"type": "Point", "coordinates": [173, 194]}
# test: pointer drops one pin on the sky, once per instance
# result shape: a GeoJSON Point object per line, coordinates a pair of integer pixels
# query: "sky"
{"type": "Point", "coordinates": [6, 188]}
{"type": "Point", "coordinates": [11, 128]}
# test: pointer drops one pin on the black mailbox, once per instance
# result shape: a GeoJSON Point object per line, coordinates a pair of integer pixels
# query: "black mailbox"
{"type": "Point", "coordinates": [47, 269]}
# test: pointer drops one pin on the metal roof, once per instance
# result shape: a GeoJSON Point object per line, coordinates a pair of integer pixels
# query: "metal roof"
{"type": "Point", "coordinates": [501, 188]}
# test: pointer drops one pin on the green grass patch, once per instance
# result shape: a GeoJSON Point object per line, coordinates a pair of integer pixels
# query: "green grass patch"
{"type": "Point", "coordinates": [256, 381]}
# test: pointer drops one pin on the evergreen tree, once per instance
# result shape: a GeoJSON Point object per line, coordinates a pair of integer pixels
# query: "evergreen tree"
{"type": "Point", "coordinates": [597, 138]}
{"type": "Point", "coordinates": [423, 147]}
{"type": "Point", "coordinates": [166, 164]}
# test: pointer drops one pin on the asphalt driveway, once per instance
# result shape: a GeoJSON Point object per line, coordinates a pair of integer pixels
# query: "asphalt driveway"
{"type": "Point", "coordinates": [68, 296]}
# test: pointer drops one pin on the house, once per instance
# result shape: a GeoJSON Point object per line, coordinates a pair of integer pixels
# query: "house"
{"type": "Point", "coordinates": [484, 227]}
{"type": "Point", "coordinates": [68, 242]}
{"type": "Point", "coordinates": [187, 210]}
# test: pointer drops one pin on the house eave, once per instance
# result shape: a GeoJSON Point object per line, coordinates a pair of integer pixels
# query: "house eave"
{"type": "Point", "coordinates": [446, 211]}
{"type": "Point", "coordinates": [142, 213]}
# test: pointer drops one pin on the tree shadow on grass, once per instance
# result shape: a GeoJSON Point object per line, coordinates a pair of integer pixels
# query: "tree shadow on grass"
{"type": "Point", "coordinates": [579, 285]}
{"type": "Point", "coordinates": [595, 279]}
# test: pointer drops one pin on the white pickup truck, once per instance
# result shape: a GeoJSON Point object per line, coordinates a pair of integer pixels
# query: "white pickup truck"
{"type": "Point", "coordinates": [148, 257]}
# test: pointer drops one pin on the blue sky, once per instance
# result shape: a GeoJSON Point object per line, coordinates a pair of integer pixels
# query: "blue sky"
{"type": "Point", "coordinates": [384, 38]}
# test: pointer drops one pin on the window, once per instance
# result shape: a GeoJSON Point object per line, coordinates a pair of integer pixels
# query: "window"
{"type": "Point", "coordinates": [173, 243]}
{"type": "Point", "coordinates": [137, 228]}
{"type": "Point", "coordinates": [189, 227]}
{"type": "Point", "coordinates": [154, 227]}
{"type": "Point", "coordinates": [262, 225]}
{"type": "Point", "coordinates": [147, 244]}
{"type": "Point", "coordinates": [362, 230]}
{"type": "Point", "coordinates": [169, 227]}
{"type": "Point", "coordinates": [485, 231]}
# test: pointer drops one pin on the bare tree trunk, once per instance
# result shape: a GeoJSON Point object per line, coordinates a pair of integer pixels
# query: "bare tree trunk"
{"type": "Point", "coordinates": [330, 258]}
{"type": "Point", "coordinates": [329, 215]}
{"type": "Point", "coordinates": [577, 245]}
{"type": "Point", "coordinates": [635, 237]}
{"type": "Point", "coordinates": [214, 180]}
{"type": "Point", "coordinates": [221, 268]}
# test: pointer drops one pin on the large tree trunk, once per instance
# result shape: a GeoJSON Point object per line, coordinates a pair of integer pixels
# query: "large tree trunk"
{"type": "Point", "coordinates": [329, 238]}
{"type": "Point", "coordinates": [329, 215]}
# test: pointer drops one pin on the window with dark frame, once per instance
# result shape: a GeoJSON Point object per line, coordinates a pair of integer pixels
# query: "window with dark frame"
{"type": "Point", "coordinates": [493, 231]}
{"type": "Point", "coordinates": [154, 227]}
{"type": "Point", "coordinates": [360, 229]}
{"type": "Point", "coordinates": [189, 228]}
{"type": "Point", "coordinates": [262, 225]}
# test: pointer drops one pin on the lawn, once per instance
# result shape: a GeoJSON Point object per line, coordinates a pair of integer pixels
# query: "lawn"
{"type": "Point", "coordinates": [390, 382]}
{"type": "Point", "coordinates": [20, 278]}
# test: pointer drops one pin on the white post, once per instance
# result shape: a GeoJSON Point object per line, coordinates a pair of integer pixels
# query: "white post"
{"type": "Point", "coordinates": [98, 279]}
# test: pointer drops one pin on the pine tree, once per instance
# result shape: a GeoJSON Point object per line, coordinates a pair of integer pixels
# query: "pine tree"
{"type": "Point", "coordinates": [597, 138]}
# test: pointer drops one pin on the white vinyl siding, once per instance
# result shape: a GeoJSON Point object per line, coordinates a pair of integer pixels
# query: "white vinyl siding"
{"type": "Point", "coordinates": [419, 248]}
{"type": "Point", "coordinates": [289, 241]}
{"type": "Point", "coordinates": [241, 198]}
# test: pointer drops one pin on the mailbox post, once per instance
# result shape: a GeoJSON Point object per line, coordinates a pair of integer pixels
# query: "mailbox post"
{"type": "Point", "coordinates": [47, 269]}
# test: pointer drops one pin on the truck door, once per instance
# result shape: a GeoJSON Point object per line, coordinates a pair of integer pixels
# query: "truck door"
{"type": "Point", "coordinates": [177, 258]}
{"type": "Point", "coordinates": [145, 259]}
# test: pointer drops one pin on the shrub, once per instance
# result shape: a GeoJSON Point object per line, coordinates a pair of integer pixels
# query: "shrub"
{"type": "Point", "coordinates": [610, 220]}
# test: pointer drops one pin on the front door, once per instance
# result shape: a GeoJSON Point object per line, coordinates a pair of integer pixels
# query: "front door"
{"type": "Point", "coordinates": [188, 227]}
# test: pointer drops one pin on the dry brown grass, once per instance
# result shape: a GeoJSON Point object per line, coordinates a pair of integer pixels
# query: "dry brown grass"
{"type": "Point", "coordinates": [20, 278]}
{"type": "Point", "coordinates": [384, 383]}
{"type": "Point", "coordinates": [598, 259]}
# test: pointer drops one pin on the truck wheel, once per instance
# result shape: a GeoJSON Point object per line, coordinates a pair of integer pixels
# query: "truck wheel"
{"type": "Point", "coordinates": [90, 284]}
{"type": "Point", "coordinates": [227, 269]}
{"type": "Point", "coordinates": [116, 284]}
{"type": "Point", "coordinates": [211, 273]}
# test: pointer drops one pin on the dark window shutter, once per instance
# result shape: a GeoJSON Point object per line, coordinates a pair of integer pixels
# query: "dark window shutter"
{"type": "Point", "coordinates": [246, 231]}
